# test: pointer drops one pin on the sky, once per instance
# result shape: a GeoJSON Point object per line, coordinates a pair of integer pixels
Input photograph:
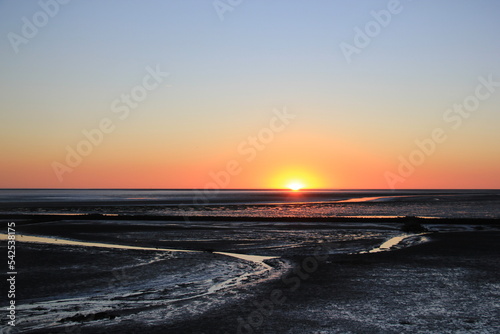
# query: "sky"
{"type": "Point", "coordinates": [250, 94]}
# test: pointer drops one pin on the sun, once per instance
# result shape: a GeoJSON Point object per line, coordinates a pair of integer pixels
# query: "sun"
{"type": "Point", "coordinates": [295, 185]}
{"type": "Point", "coordinates": [294, 178]}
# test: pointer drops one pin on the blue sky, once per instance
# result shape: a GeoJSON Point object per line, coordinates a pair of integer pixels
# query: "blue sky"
{"type": "Point", "coordinates": [227, 75]}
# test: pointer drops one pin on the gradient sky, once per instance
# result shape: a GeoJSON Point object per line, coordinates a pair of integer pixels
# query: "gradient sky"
{"type": "Point", "coordinates": [228, 78]}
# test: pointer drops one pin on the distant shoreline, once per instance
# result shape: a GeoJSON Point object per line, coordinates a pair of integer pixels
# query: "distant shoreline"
{"type": "Point", "coordinates": [34, 218]}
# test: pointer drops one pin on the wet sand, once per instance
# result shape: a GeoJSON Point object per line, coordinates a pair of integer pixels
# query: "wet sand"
{"type": "Point", "coordinates": [70, 287]}
{"type": "Point", "coordinates": [448, 284]}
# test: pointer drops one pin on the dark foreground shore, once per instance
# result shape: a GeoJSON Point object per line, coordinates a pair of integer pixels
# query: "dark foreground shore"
{"type": "Point", "coordinates": [450, 284]}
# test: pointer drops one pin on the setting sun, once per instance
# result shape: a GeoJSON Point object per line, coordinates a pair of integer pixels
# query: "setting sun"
{"type": "Point", "coordinates": [295, 185]}
{"type": "Point", "coordinates": [295, 178]}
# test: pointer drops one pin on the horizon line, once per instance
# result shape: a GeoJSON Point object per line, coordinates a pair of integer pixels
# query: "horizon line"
{"type": "Point", "coordinates": [253, 189]}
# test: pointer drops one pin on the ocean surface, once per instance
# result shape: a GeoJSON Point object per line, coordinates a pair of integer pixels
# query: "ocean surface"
{"type": "Point", "coordinates": [255, 203]}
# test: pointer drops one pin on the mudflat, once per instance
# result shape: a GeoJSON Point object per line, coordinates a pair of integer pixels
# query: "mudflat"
{"type": "Point", "coordinates": [447, 285]}
{"type": "Point", "coordinates": [318, 281]}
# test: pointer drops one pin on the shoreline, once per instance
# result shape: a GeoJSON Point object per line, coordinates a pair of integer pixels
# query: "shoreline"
{"type": "Point", "coordinates": [204, 290]}
{"type": "Point", "coordinates": [137, 282]}
{"type": "Point", "coordinates": [448, 284]}
{"type": "Point", "coordinates": [36, 218]}
{"type": "Point", "coordinates": [68, 242]}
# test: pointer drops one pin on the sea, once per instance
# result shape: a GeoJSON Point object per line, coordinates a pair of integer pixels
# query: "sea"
{"type": "Point", "coordinates": [436, 203]}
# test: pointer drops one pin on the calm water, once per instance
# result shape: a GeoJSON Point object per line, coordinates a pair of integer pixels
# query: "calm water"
{"type": "Point", "coordinates": [265, 203]}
